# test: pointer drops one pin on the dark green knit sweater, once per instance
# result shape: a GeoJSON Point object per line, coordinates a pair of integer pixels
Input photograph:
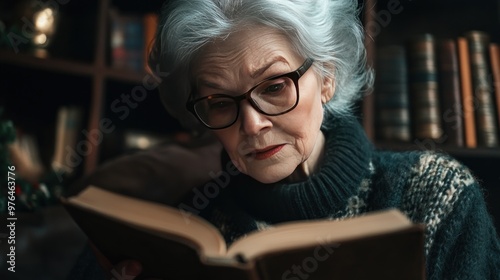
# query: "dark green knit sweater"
{"type": "Point", "coordinates": [431, 188]}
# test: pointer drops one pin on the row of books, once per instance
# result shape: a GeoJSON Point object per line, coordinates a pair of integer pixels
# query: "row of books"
{"type": "Point", "coordinates": [73, 141]}
{"type": "Point", "coordinates": [26, 154]}
{"type": "Point", "coordinates": [130, 39]}
{"type": "Point", "coordinates": [36, 184]}
{"type": "Point", "coordinates": [445, 90]}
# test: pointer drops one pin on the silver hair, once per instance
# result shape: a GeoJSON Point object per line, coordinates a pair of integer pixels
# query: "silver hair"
{"type": "Point", "coordinates": [328, 31]}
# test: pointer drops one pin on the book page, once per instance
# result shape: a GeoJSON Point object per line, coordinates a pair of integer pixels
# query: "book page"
{"type": "Point", "coordinates": [316, 232]}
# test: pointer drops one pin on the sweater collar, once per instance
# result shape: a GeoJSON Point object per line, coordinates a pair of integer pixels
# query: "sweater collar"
{"type": "Point", "coordinates": [323, 194]}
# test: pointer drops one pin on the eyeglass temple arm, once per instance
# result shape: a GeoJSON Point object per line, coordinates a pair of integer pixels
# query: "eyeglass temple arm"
{"type": "Point", "coordinates": [302, 69]}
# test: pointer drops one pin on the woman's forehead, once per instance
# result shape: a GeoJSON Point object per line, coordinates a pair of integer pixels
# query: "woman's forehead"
{"type": "Point", "coordinates": [253, 50]}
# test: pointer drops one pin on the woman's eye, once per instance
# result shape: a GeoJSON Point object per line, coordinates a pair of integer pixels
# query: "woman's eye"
{"type": "Point", "coordinates": [220, 105]}
{"type": "Point", "coordinates": [274, 88]}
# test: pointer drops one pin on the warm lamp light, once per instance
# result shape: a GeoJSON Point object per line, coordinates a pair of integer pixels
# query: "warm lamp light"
{"type": "Point", "coordinates": [143, 143]}
{"type": "Point", "coordinates": [40, 39]}
{"type": "Point", "coordinates": [45, 23]}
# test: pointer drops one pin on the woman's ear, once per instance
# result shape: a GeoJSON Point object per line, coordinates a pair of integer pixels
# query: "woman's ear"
{"type": "Point", "coordinates": [327, 89]}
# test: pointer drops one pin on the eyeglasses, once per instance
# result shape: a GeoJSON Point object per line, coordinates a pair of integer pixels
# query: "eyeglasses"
{"type": "Point", "coordinates": [272, 97]}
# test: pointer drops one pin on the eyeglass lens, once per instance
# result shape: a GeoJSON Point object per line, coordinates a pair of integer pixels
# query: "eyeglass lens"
{"type": "Point", "coordinates": [271, 97]}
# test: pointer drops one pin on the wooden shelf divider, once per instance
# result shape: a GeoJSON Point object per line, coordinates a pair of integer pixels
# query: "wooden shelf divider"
{"type": "Point", "coordinates": [49, 64]}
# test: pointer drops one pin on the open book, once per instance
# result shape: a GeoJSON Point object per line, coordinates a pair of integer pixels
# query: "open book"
{"type": "Point", "coordinates": [173, 245]}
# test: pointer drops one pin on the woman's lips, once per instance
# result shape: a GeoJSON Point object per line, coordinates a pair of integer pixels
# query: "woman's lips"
{"type": "Point", "coordinates": [267, 152]}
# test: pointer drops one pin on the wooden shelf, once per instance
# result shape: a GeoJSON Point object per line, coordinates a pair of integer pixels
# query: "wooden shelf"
{"type": "Point", "coordinates": [50, 64]}
{"type": "Point", "coordinates": [68, 67]}
{"type": "Point", "coordinates": [443, 19]}
{"type": "Point", "coordinates": [125, 75]}
{"type": "Point", "coordinates": [484, 153]}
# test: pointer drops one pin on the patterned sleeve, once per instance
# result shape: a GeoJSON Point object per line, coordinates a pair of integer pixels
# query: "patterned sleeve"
{"type": "Point", "coordinates": [461, 240]}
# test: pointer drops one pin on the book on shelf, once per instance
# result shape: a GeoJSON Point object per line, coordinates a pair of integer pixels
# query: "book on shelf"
{"type": "Point", "coordinates": [127, 43]}
{"type": "Point", "coordinates": [392, 98]}
{"type": "Point", "coordinates": [25, 155]}
{"type": "Point", "coordinates": [486, 127]}
{"type": "Point", "coordinates": [450, 92]}
{"type": "Point", "coordinates": [131, 39]}
{"type": "Point", "coordinates": [68, 128]}
{"type": "Point", "coordinates": [424, 91]}
{"type": "Point", "coordinates": [175, 244]}
{"type": "Point", "coordinates": [467, 93]}
{"type": "Point", "coordinates": [453, 86]}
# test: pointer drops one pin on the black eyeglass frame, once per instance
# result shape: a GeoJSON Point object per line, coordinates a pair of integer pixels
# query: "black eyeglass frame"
{"type": "Point", "coordinates": [294, 76]}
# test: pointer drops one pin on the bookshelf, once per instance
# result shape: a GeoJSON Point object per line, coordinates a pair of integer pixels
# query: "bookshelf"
{"type": "Point", "coordinates": [75, 68]}
{"type": "Point", "coordinates": [78, 70]}
{"type": "Point", "coordinates": [391, 22]}
{"type": "Point", "coordinates": [397, 22]}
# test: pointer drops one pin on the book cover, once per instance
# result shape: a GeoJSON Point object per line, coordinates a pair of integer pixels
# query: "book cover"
{"type": "Point", "coordinates": [450, 92]}
{"type": "Point", "coordinates": [172, 244]}
{"type": "Point", "coordinates": [424, 91]}
{"type": "Point", "coordinates": [486, 127]}
{"type": "Point", "coordinates": [391, 94]}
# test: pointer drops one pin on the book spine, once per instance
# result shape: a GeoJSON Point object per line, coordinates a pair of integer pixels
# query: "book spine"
{"type": "Point", "coordinates": [423, 82]}
{"type": "Point", "coordinates": [24, 154]}
{"type": "Point", "coordinates": [134, 43]}
{"type": "Point", "coordinates": [117, 30]}
{"type": "Point", "coordinates": [467, 95]}
{"type": "Point", "coordinates": [127, 41]}
{"type": "Point", "coordinates": [391, 95]}
{"type": "Point", "coordinates": [495, 70]}
{"type": "Point", "coordinates": [449, 88]}
{"type": "Point", "coordinates": [69, 123]}
{"type": "Point", "coordinates": [486, 128]}
{"type": "Point", "coordinates": [61, 130]}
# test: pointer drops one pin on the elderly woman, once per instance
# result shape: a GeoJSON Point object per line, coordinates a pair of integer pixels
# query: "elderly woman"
{"type": "Point", "coordinates": [275, 82]}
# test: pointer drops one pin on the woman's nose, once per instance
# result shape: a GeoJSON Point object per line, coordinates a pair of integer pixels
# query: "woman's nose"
{"type": "Point", "coordinates": [252, 121]}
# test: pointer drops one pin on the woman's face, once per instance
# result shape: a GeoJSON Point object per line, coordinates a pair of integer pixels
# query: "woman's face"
{"type": "Point", "coordinates": [267, 148]}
